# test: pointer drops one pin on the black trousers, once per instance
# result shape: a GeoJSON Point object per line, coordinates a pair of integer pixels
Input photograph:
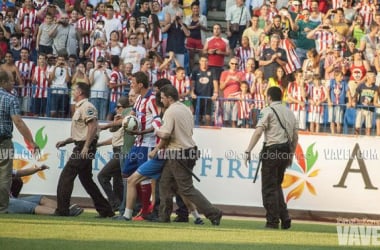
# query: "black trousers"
{"type": "Point", "coordinates": [112, 171]}
{"type": "Point", "coordinates": [82, 167]}
{"type": "Point", "coordinates": [274, 163]}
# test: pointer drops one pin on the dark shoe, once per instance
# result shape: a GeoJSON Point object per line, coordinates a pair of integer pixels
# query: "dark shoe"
{"type": "Point", "coordinates": [271, 225]}
{"type": "Point", "coordinates": [199, 221]}
{"type": "Point", "coordinates": [103, 216]}
{"type": "Point", "coordinates": [161, 220]}
{"type": "Point", "coordinates": [150, 217]}
{"type": "Point", "coordinates": [181, 219]}
{"type": "Point", "coordinates": [216, 220]}
{"type": "Point", "coordinates": [121, 218]}
{"type": "Point", "coordinates": [286, 224]}
{"type": "Point", "coordinates": [75, 210]}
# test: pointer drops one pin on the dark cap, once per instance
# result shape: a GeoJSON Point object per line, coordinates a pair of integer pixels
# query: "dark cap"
{"type": "Point", "coordinates": [100, 59]}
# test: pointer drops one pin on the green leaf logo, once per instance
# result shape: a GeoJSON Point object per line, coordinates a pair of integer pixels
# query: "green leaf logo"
{"type": "Point", "coordinates": [40, 139]}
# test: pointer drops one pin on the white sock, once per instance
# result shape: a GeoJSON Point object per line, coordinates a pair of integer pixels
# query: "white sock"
{"type": "Point", "coordinates": [195, 214]}
{"type": "Point", "coordinates": [128, 213]}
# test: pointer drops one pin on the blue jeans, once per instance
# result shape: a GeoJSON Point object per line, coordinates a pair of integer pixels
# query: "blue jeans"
{"type": "Point", "coordinates": [24, 205]}
{"type": "Point", "coordinates": [101, 105]}
{"type": "Point", "coordinates": [203, 6]}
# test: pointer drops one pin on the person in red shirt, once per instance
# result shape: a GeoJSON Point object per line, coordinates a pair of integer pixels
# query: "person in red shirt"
{"type": "Point", "coordinates": [230, 85]}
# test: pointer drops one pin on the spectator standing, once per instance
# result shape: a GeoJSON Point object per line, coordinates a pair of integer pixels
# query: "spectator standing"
{"type": "Point", "coordinates": [111, 23]}
{"type": "Point", "coordinates": [237, 16]}
{"type": "Point", "coordinates": [272, 57]}
{"type": "Point", "coordinates": [133, 53]}
{"type": "Point", "coordinates": [40, 81]}
{"type": "Point", "coordinates": [99, 79]}
{"type": "Point", "coordinates": [317, 97]}
{"type": "Point", "coordinates": [44, 42]}
{"type": "Point", "coordinates": [85, 26]}
{"type": "Point", "coordinates": [297, 97]}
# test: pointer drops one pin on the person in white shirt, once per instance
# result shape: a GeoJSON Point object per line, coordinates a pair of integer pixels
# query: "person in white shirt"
{"type": "Point", "coordinates": [111, 23]}
{"type": "Point", "coordinates": [133, 53]}
{"type": "Point", "coordinates": [59, 76]}
{"type": "Point", "coordinates": [99, 78]}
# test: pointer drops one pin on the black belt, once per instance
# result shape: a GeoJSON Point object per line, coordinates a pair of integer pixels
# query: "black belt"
{"type": "Point", "coordinates": [282, 146]}
{"type": "Point", "coordinates": [4, 137]}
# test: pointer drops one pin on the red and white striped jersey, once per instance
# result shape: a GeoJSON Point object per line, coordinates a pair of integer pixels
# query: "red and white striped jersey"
{"type": "Point", "coordinates": [95, 53]}
{"type": "Point", "coordinates": [317, 93]}
{"type": "Point", "coordinates": [182, 86]}
{"type": "Point", "coordinates": [26, 42]}
{"type": "Point", "coordinates": [27, 18]}
{"type": "Point", "coordinates": [366, 12]}
{"type": "Point", "coordinates": [166, 73]}
{"type": "Point", "coordinates": [323, 40]}
{"type": "Point", "coordinates": [244, 106]}
{"type": "Point", "coordinates": [306, 4]}
{"type": "Point", "coordinates": [258, 98]}
{"type": "Point", "coordinates": [38, 5]}
{"type": "Point", "coordinates": [295, 91]}
{"type": "Point", "coordinates": [243, 54]}
{"type": "Point", "coordinates": [272, 13]}
{"type": "Point", "coordinates": [26, 70]}
{"type": "Point", "coordinates": [41, 76]}
{"type": "Point", "coordinates": [249, 77]}
{"type": "Point", "coordinates": [123, 19]}
{"type": "Point", "coordinates": [100, 17]}
{"type": "Point", "coordinates": [153, 42]}
{"type": "Point", "coordinates": [86, 25]}
{"type": "Point", "coordinates": [294, 62]}
{"type": "Point", "coordinates": [337, 4]}
{"type": "Point", "coordinates": [116, 79]}
{"type": "Point", "coordinates": [146, 111]}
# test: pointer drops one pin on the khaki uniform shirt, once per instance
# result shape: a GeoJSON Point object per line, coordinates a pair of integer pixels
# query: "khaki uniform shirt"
{"type": "Point", "coordinates": [273, 132]}
{"type": "Point", "coordinates": [85, 111]}
{"type": "Point", "coordinates": [179, 123]}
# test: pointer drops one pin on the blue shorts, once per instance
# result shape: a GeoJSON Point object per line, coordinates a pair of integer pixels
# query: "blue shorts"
{"type": "Point", "coordinates": [135, 158]}
{"type": "Point", "coordinates": [151, 168]}
{"type": "Point", "coordinates": [58, 102]}
{"type": "Point", "coordinates": [24, 205]}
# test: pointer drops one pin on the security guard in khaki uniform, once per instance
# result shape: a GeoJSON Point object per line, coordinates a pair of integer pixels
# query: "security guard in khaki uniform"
{"type": "Point", "coordinates": [84, 128]}
{"type": "Point", "coordinates": [280, 140]}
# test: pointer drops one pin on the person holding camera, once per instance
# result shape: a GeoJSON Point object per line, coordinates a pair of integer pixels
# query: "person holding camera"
{"type": "Point", "coordinates": [60, 35]}
{"type": "Point", "coordinates": [177, 33]}
{"type": "Point", "coordinates": [237, 18]}
{"type": "Point", "coordinates": [59, 76]}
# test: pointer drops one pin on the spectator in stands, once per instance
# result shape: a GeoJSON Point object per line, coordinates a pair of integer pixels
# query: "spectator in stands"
{"type": "Point", "coordinates": [26, 17]}
{"type": "Point", "coordinates": [249, 72]}
{"type": "Point", "coordinates": [59, 76]}
{"type": "Point", "coordinates": [279, 80]}
{"type": "Point", "coordinates": [230, 85]}
{"type": "Point", "coordinates": [85, 26]}
{"type": "Point", "coordinates": [116, 84]}
{"type": "Point", "coordinates": [173, 10]}
{"type": "Point", "coordinates": [182, 83]}
{"type": "Point", "coordinates": [130, 28]}
{"type": "Point", "coordinates": [155, 34]}
{"type": "Point", "coordinates": [303, 27]}
{"type": "Point", "coordinates": [357, 29]}
{"type": "Point", "coordinates": [317, 96]}
{"type": "Point", "coordinates": [216, 47]}
{"type": "Point", "coordinates": [239, 15]}
{"type": "Point", "coordinates": [14, 74]}
{"type": "Point", "coordinates": [338, 23]}
{"type": "Point", "coordinates": [111, 23]}
{"type": "Point", "coordinates": [204, 84]}
{"type": "Point", "coordinates": [44, 42]}
{"type": "Point", "coordinates": [376, 103]}
{"type": "Point", "coordinates": [133, 53]}
{"type": "Point", "coordinates": [25, 68]}
{"type": "Point", "coordinates": [164, 18]}
{"type": "Point", "coordinates": [177, 33]}
{"type": "Point", "coordinates": [244, 52]}
{"type": "Point", "coordinates": [97, 49]}
{"type": "Point", "coordinates": [258, 91]}
{"type": "Point", "coordinates": [358, 67]}
{"type": "Point", "coordinates": [334, 62]}
{"type": "Point", "coordinates": [368, 43]}
{"type": "Point", "coordinates": [99, 79]}
{"type": "Point", "coordinates": [323, 36]}
{"type": "Point", "coordinates": [275, 27]}
{"type": "Point", "coordinates": [40, 80]}
{"type": "Point", "coordinates": [337, 93]}
{"type": "Point", "coordinates": [60, 35]}
{"type": "Point", "coordinates": [310, 66]}
{"type": "Point", "coordinates": [264, 18]}
{"type": "Point", "coordinates": [364, 101]}
{"type": "Point", "coordinates": [15, 46]}
{"type": "Point", "coordinates": [349, 11]}
{"type": "Point", "coordinates": [297, 98]}
{"type": "Point", "coordinates": [244, 106]}
{"type": "Point", "coordinates": [197, 25]}
{"type": "Point", "coordinates": [272, 57]}
{"type": "Point", "coordinates": [143, 13]}
{"type": "Point", "coordinates": [114, 46]}
{"type": "Point", "coordinates": [80, 75]}
{"type": "Point", "coordinates": [253, 33]}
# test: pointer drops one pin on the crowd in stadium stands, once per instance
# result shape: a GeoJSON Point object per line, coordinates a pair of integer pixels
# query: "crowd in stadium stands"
{"type": "Point", "coordinates": [323, 54]}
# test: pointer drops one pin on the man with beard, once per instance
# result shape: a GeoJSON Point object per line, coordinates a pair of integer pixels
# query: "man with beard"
{"type": "Point", "coordinates": [60, 34]}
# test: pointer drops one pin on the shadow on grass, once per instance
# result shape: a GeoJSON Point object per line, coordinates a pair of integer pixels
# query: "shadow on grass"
{"type": "Point", "coordinates": [57, 244]}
